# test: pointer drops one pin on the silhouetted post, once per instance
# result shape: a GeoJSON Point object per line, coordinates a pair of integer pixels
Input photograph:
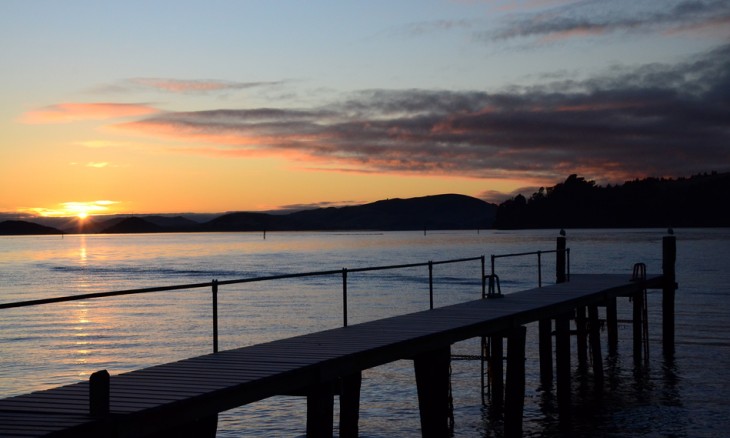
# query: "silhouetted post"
{"type": "Point", "coordinates": [432, 382]}
{"type": "Point", "coordinates": [496, 372]}
{"type": "Point", "coordinates": [515, 389]}
{"type": "Point", "coordinates": [581, 336]}
{"type": "Point", "coordinates": [562, 363]}
{"type": "Point", "coordinates": [99, 393]}
{"type": "Point", "coordinates": [320, 402]}
{"type": "Point", "coordinates": [344, 297]}
{"type": "Point", "coordinates": [350, 405]}
{"type": "Point", "coordinates": [669, 258]}
{"type": "Point", "coordinates": [594, 330]}
{"type": "Point", "coordinates": [214, 290]}
{"type": "Point", "coordinates": [545, 329]}
{"type": "Point", "coordinates": [430, 284]}
{"type": "Point", "coordinates": [560, 256]}
{"type": "Point", "coordinates": [612, 325]}
{"type": "Point", "coordinates": [638, 325]}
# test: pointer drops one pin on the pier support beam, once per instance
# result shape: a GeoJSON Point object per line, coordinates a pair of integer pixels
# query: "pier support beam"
{"type": "Point", "coordinates": [581, 334]}
{"type": "Point", "coordinates": [350, 405]}
{"type": "Point", "coordinates": [432, 382]}
{"type": "Point", "coordinates": [496, 374]}
{"type": "Point", "coordinates": [638, 325]}
{"type": "Point", "coordinates": [562, 363]}
{"type": "Point", "coordinates": [594, 333]}
{"type": "Point", "coordinates": [545, 333]}
{"type": "Point", "coordinates": [669, 257]}
{"type": "Point", "coordinates": [320, 402]}
{"type": "Point", "coordinates": [612, 326]}
{"type": "Point", "coordinates": [515, 390]}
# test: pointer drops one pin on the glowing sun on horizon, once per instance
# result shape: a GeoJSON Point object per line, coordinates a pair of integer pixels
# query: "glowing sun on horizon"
{"type": "Point", "coordinates": [82, 215]}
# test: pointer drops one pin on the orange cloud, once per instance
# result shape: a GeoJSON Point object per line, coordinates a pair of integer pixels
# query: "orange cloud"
{"type": "Point", "coordinates": [74, 112]}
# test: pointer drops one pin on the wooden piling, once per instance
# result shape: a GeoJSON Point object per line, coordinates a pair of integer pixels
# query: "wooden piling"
{"type": "Point", "coordinates": [669, 257]}
{"type": "Point", "coordinates": [581, 336]}
{"type": "Point", "coordinates": [562, 363]}
{"type": "Point", "coordinates": [612, 325]}
{"type": "Point", "coordinates": [350, 405]}
{"type": "Point", "coordinates": [545, 333]}
{"type": "Point", "coordinates": [594, 333]}
{"type": "Point", "coordinates": [320, 402]}
{"type": "Point", "coordinates": [496, 373]}
{"type": "Point", "coordinates": [515, 386]}
{"type": "Point", "coordinates": [638, 325]}
{"type": "Point", "coordinates": [432, 383]}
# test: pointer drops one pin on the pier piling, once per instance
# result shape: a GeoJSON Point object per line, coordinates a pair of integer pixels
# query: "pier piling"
{"type": "Point", "coordinates": [432, 383]}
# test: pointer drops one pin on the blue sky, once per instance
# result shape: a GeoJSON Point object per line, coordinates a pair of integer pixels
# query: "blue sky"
{"type": "Point", "coordinates": [152, 106]}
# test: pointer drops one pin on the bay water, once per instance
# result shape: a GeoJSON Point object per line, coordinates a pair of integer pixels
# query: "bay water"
{"type": "Point", "coordinates": [55, 344]}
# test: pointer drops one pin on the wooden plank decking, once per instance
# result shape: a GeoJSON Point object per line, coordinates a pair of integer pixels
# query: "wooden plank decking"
{"type": "Point", "coordinates": [159, 397]}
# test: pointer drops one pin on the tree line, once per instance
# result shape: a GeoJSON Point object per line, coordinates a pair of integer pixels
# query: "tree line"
{"type": "Point", "coordinates": [698, 201]}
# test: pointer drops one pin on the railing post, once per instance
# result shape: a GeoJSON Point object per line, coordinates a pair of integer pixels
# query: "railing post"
{"type": "Point", "coordinates": [484, 280]}
{"type": "Point", "coordinates": [430, 284]}
{"type": "Point", "coordinates": [539, 269]}
{"type": "Point", "coordinates": [344, 297]}
{"type": "Point", "coordinates": [214, 285]}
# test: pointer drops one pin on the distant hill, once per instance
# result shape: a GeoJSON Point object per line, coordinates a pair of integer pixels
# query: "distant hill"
{"type": "Point", "coordinates": [134, 225]}
{"type": "Point", "coordinates": [439, 212]}
{"type": "Point", "coordinates": [11, 228]}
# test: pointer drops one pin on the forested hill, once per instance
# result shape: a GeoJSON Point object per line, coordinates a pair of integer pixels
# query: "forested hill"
{"type": "Point", "coordinates": [698, 201]}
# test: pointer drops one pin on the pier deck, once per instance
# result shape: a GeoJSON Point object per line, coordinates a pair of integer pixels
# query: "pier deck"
{"type": "Point", "coordinates": [158, 398]}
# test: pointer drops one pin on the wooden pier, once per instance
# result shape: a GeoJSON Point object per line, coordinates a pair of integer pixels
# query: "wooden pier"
{"type": "Point", "coordinates": [183, 398]}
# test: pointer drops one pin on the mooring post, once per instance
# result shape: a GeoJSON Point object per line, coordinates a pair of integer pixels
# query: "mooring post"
{"type": "Point", "coordinates": [496, 373]}
{"type": "Point", "coordinates": [562, 362]}
{"type": "Point", "coordinates": [99, 393]}
{"type": "Point", "coordinates": [514, 402]}
{"type": "Point", "coordinates": [669, 258]}
{"type": "Point", "coordinates": [594, 330]}
{"type": "Point", "coordinates": [350, 405]}
{"type": "Point", "coordinates": [320, 402]}
{"type": "Point", "coordinates": [432, 382]}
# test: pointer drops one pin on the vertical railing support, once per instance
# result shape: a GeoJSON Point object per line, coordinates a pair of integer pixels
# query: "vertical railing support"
{"type": "Point", "coordinates": [539, 269]}
{"type": "Point", "coordinates": [430, 284]}
{"type": "Point", "coordinates": [484, 280]}
{"type": "Point", "coordinates": [344, 297]}
{"type": "Point", "coordinates": [214, 287]}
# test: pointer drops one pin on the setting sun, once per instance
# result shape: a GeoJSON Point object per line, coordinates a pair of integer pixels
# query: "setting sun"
{"type": "Point", "coordinates": [82, 215]}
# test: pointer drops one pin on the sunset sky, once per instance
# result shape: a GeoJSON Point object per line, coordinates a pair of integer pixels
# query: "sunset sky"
{"type": "Point", "coordinates": [213, 106]}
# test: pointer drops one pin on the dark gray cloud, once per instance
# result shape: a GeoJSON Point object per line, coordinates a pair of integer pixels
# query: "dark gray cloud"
{"type": "Point", "coordinates": [606, 17]}
{"type": "Point", "coordinates": [658, 120]}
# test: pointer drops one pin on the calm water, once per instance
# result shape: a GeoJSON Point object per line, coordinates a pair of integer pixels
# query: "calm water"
{"type": "Point", "coordinates": [55, 344]}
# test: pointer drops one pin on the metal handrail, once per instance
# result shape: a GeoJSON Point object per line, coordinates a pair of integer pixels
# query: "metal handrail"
{"type": "Point", "coordinates": [539, 260]}
{"type": "Point", "coordinates": [215, 284]}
